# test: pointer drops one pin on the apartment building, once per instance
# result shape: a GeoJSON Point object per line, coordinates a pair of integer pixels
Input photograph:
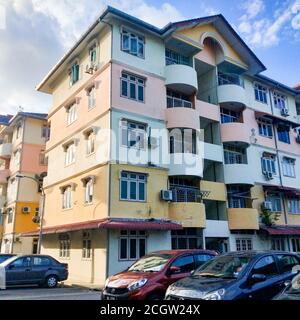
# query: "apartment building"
{"type": "Point", "coordinates": [22, 160]}
{"type": "Point", "coordinates": [166, 138]}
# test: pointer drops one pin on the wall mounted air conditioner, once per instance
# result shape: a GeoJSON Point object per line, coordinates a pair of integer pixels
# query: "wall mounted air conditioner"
{"type": "Point", "coordinates": [153, 142]}
{"type": "Point", "coordinates": [284, 112]}
{"type": "Point", "coordinates": [166, 195]}
{"type": "Point", "coordinates": [268, 175]}
{"type": "Point", "coordinates": [26, 210]}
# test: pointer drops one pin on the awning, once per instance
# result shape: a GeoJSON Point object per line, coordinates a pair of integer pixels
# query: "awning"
{"type": "Point", "coordinates": [276, 119]}
{"type": "Point", "coordinates": [111, 223]}
{"type": "Point", "coordinates": [278, 230]}
{"type": "Point", "coordinates": [288, 191]}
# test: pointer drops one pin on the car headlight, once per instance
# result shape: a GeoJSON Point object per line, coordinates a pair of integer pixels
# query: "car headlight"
{"type": "Point", "coordinates": [137, 284]}
{"type": "Point", "coordinates": [106, 282]}
{"type": "Point", "coordinates": [215, 295]}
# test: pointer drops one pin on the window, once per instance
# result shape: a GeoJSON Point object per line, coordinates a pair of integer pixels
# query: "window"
{"type": "Point", "coordinates": [173, 57]}
{"type": "Point", "coordinates": [185, 264]}
{"type": "Point", "coordinates": [183, 141]}
{"type": "Point", "coordinates": [74, 73]}
{"type": "Point", "coordinates": [93, 54]}
{"type": "Point", "coordinates": [265, 266]}
{"type": "Point", "coordinates": [132, 244]}
{"type": "Point", "coordinates": [176, 99]}
{"type": "Point", "coordinates": [230, 78]}
{"type": "Point", "coordinates": [279, 100]}
{"type": "Point", "coordinates": [288, 167]}
{"type": "Point", "coordinates": [46, 132]}
{"type": "Point", "coordinates": [200, 259]}
{"type": "Point", "coordinates": [260, 93]}
{"type": "Point", "coordinates": [89, 190]}
{"type": "Point", "coordinates": [237, 196]}
{"type": "Point", "coordinates": [17, 157]}
{"type": "Point", "coordinates": [188, 238]}
{"type": "Point", "coordinates": [43, 160]}
{"type": "Point", "coordinates": [265, 128]}
{"type": "Point", "coordinates": [268, 164]}
{"type": "Point", "coordinates": [90, 143]}
{"type": "Point", "coordinates": [287, 262]}
{"type": "Point", "coordinates": [72, 113]}
{"type": "Point", "coordinates": [64, 248]}
{"type": "Point", "coordinates": [132, 43]}
{"type": "Point", "coordinates": [67, 198]}
{"type": "Point", "coordinates": [295, 244]}
{"type": "Point", "coordinates": [244, 244]}
{"type": "Point", "coordinates": [22, 262]}
{"type": "Point", "coordinates": [41, 261]}
{"type": "Point", "coordinates": [133, 134]}
{"type": "Point", "coordinates": [132, 87]}
{"type": "Point", "coordinates": [86, 246]}
{"type": "Point", "coordinates": [228, 116]}
{"type": "Point", "coordinates": [275, 201]}
{"type": "Point", "coordinates": [278, 244]}
{"type": "Point", "coordinates": [19, 130]}
{"type": "Point", "coordinates": [91, 97]}
{"type": "Point", "coordinates": [133, 186]}
{"type": "Point", "coordinates": [283, 133]}
{"type": "Point", "coordinates": [10, 212]}
{"type": "Point", "coordinates": [70, 154]}
{"type": "Point", "coordinates": [234, 154]}
{"type": "Point", "coordinates": [293, 205]}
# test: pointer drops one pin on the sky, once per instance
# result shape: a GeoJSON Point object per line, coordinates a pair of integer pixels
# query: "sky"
{"type": "Point", "coordinates": [34, 34]}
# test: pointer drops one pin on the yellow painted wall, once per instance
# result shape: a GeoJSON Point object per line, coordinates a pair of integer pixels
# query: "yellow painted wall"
{"type": "Point", "coordinates": [23, 222]}
{"type": "Point", "coordinates": [243, 219]}
{"type": "Point", "coordinates": [196, 33]}
{"type": "Point", "coordinates": [55, 215]}
{"type": "Point", "coordinates": [190, 214]}
{"type": "Point", "coordinates": [153, 207]}
{"type": "Point", "coordinates": [217, 190]}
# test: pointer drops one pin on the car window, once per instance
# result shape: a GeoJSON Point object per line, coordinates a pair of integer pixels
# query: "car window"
{"type": "Point", "coordinates": [21, 262]}
{"type": "Point", "coordinates": [200, 259]}
{"type": "Point", "coordinates": [186, 264]}
{"type": "Point", "coordinates": [41, 261]}
{"type": "Point", "coordinates": [265, 266]}
{"type": "Point", "coordinates": [287, 262]}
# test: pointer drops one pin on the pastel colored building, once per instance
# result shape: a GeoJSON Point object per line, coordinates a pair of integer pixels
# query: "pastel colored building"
{"type": "Point", "coordinates": [22, 153]}
{"type": "Point", "coordinates": [166, 138]}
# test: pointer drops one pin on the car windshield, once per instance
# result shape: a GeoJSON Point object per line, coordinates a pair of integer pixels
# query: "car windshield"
{"type": "Point", "coordinates": [150, 263]}
{"type": "Point", "coordinates": [8, 261]}
{"type": "Point", "coordinates": [224, 267]}
{"type": "Point", "coordinates": [3, 258]}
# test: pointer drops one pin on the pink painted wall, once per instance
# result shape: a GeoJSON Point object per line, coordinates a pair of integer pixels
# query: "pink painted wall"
{"type": "Point", "coordinates": [155, 95]}
{"type": "Point", "coordinates": [182, 118]}
{"type": "Point", "coordinates": [235, 131]}
{"type": "Point", "coordinates": [208, 54]}
{"type": "Point", "coordinates": [30, 158]}
{"type": "Point", "coordinates": [58, 120]}
{"type": "Point", "coordinates": [208, 110]}
{"type": "Point", "coordinates": [293, 147]}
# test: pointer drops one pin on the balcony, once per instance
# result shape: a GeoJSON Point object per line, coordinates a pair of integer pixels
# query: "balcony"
{"type": "Point", "coordinates": [208, 110]}
{"type": "Point", "coordinates": [189, 214]}
{"type": "Point", "coordinates": [5, 150]}
{"type": "Point", "coordinates": [213, 152]}
{"type": "Point", "coordinates": [4, 174]}
{"type": "Point", "coordinates": [182, 118]}
{"type": "Point", "coordinates": [182, 164]}
{"type": "Point", "coordinates": [235, 131]}
{"type": "Point", "coordinates": [243, 219]}
{"type": "Point", "coordinates": [238, 173]}
{"type": "Point", "coordinates": [217, 190]}
{"type": "Point", "coordinates": [181, 78]}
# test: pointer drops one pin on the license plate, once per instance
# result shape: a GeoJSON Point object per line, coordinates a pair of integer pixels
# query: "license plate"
{"type": "Point", "coordinates": [110, 298]}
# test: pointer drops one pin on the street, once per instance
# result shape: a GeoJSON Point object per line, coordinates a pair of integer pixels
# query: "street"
{"type": "Point", "coordinates": [60, 293]}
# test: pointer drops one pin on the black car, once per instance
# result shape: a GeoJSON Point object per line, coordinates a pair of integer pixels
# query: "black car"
{"type": "Point", "coordinates": [40, 270]}
{"type": "Point", "coordinates": [5, 256]}
{"type": "Point", "coordinates": [236, 276]}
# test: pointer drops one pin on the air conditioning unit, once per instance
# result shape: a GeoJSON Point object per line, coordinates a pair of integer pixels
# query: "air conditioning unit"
{"type": "Point", "coordinates": [267, 205]}
{"type": "Point", "coordinates": [36, 219]}
{"type": "Point", "coordinates": [26, 210]}
{"type": "Point", "coordinates": [89, 69]}
{"type": "Point", "coordinates": [153, 142]}
{"type": "Point", "coordinates": [298, 138]}
{"type": "Point", "coordinates": [268, 175]}
{"type": "Point", "coordinates": [166, 195]}
{"type": "Point", "coordinates": [284, 112]}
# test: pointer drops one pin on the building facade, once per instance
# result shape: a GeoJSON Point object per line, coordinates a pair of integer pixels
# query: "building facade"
{"type": "Point", "coordinates": [166, 138]}
{"type": "Point", "coordinates": [22, 154]}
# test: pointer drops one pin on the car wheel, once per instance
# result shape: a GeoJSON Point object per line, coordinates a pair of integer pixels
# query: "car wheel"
{"type": "Point", "coordinates": [51, 281]}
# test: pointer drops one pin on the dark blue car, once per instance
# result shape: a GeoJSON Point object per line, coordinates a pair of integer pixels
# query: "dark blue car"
{"type": "Point", "coordinates": [4, 256]}
{"type": "Point", "coordinates": [40, 270]}
{"type": "Point", "coordinates": [237, 276]}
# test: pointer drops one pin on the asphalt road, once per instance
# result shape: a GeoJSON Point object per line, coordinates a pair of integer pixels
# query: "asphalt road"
{"type": "Point", "coordinates": [35, 293]}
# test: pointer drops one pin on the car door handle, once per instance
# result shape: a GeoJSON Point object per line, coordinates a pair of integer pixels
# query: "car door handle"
{"type": "Point", "coordinates": [27, 270]}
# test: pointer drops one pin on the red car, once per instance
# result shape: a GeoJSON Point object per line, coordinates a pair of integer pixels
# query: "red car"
{"type": "Point", "coordinates": [149, 277]}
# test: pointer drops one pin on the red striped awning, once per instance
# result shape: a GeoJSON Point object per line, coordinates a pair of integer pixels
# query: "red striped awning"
{"type": "Point", "coordinates": [279, 230]}
{"type": "Point", "coordinates": [111, 223]}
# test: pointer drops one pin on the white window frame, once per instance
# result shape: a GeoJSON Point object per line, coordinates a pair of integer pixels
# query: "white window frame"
{"type": "Point", "coordinates": [276, 203]}
{"type": "Point", "coordinates": [293, 205]}
{"type": "Point", "coordinates": [131, 129]}
{"type": "Point", "coordinates": [132, 36]}
{"type": "Point", "coordinates": [262, 92]}
{"type": "Point", "coordinates": [288, 167]}
{"type": "Point", "coordinates": [89, 191]}
{"type": "Point", "coordinates": [91, 93]}
{"type": "Point", "coordinates": [231, 114]}
{"type": "Point", "coordinates": [74, 73]}
{"type": "Point", "coordinates": [45, 132]}
{"type": "Point", "coordinates": [70, 151]}
{"type": "Point", "coordinates": [90, 143]}
{"type": "Point", "coordinates": [86, 248]}
{"type": "Point", "coordinates": [234, 155]}
{"type": "Point", "coordinates": [71, 113]}
{"type": "Point", "coordinates": [139, 235]}
{"type": "Point", "coordinates": [264, 124]}
{"type": "Point", "coordinates": [268, 164]}
{"type": "Point", "coordinates": [137, 81]}
{"type": "Point", "coordinates": [244, 244]}
{"type": "Point", "coordinates": [64, 248]}
{"type": "Point", "coordinates": [128, 178]}
{"type": "Point", "coordinates": [280, 100]}
{"type": "Point", "coordinates": [67, 198]}
{"type": "Point", "coordinates": [93, 54]}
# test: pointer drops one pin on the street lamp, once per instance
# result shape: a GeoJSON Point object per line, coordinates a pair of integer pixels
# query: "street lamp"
{"type": "Point", "coordinates": [42, 175]}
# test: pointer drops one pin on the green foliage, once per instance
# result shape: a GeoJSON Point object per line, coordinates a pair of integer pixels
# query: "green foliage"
{"type": "Point", "coordinates": [268, 218]}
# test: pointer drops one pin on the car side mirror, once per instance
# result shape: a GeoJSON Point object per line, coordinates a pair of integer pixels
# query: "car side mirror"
{"type": "Point", "coordinates": [255, 278]}
{"type": "Point", "coordinates": [287, 283]}
{"type": "Point", "coordinates": [192, 272]}
{"type": "Point", "coordinates": [173, 270]}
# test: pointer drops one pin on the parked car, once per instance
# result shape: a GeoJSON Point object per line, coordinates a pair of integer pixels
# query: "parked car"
{"type": "Point", "coordinates": [34, 269]}
{"type": "Point", "coordinates": [5, 256]}
{"type": "Point", "coordinates": [237, 275]}
{"type": "Point", "coordinates": [291, 291]}
{"type": "Point", "coordinates": [150, 276]}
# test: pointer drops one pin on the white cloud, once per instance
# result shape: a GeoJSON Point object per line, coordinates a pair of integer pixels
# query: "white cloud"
{"type": "Point", "coordinates": [253, 8]}
{"type": "Point", "coordinates": [38, 32]}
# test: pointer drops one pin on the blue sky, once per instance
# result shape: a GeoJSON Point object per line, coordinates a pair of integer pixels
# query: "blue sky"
{"type": "Point", "coordinates": [44, 29]}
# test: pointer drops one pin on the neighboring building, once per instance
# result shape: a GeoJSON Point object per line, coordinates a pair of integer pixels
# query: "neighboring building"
{"type": "Point", "coordinates": [129, 101]}
{"type": "Point", "coordinates": [22, 152]}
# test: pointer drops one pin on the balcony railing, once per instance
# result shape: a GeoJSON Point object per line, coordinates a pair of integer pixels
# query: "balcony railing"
{"type": "Point", "coordinates": [229, 78]}
{"type": "Point", "coordinates": [178, 60]}
{"type": "Point", "coordinates": [173, 102]}
{"type": "Point", "coordinates": [184, 194]}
